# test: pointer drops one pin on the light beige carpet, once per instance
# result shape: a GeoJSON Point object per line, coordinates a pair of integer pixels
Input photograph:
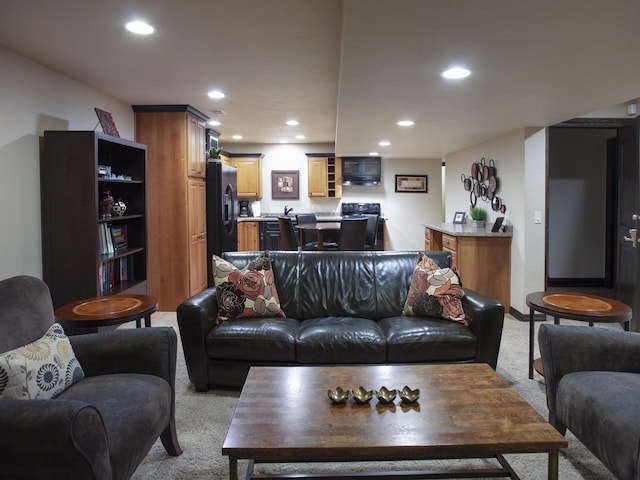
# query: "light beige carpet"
{"type": "Point", "coordinates": [203, 418]}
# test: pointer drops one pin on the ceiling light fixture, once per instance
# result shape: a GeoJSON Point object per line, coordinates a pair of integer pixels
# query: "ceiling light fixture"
{"type": "Point", "coordinates": [284, 141]}
{"type": "Point", "coordinates": [384, 143]}
{"type": "Point", "coordinates": [406, 123]}
{"type": "Point", "coordinates": [456, 73]}
{"type": "Point", "coordinates": [373, 154]}
{"type": "Point", "coordinates": [293, 123]}
{"type": "Point", "coordinates": [139, 27]}
{"type": "Point", "coordinates": [215, 123]}
{"type": "Point", "coordinates": [300, 137]}
{"type": "Point", "coordinates": [216, 94]}
{"type": "Point", "coordinates": [237, 137]}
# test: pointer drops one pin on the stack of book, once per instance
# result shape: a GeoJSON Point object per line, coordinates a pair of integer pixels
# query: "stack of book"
{"type": "Point", "coordinates": [112, 238]}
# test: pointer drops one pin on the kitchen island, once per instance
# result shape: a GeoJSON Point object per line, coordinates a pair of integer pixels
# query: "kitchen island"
{"type": "Point", "coordinates": [483, 257]}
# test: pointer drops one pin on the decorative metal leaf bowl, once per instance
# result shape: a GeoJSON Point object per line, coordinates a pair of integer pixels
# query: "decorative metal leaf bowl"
{"type": "Point", "coordinates": [385, 395]}
{"type": "Point", "coordinates": [409, 396]}
{"type": "Point", "coordinates": [362, 395]}
{"type": "Point", "coordinates": [338, 395]}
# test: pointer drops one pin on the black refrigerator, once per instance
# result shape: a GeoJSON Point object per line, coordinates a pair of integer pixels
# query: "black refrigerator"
{"type": "Point", "coordinates": [222, 210]}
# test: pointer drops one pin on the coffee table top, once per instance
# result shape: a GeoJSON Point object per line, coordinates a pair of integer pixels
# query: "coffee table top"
{"type": "Point", "coordinates": [465, 410]}
{"type": "Point", "coordinates": [579, 306]}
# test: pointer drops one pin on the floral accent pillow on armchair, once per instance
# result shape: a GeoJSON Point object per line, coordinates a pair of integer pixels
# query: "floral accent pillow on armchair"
{"type": "Point", "coordinates": [435, 292]}
{"type": "Point", "coordinates": [250, 292]}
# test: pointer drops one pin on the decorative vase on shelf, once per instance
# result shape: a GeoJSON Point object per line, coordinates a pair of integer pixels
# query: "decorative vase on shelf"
{"type": "Point", "coordinates": [119, 208]}
{"type": "Point", "coordinates": [477, 223]}
{"type": "Point", "coordinates": [106, 204]}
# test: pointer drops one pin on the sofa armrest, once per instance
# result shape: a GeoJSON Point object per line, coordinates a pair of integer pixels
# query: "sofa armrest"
{"type": "Point", "coordinates": [196, 317]}
{"type": "Point", "coordinates": [149, 351]}
{"type": "Point", "coordinates": [569, 348]}
{"type": "Point", "coordinates": [53, 439]}
{"type": "Point", "coordinates": [486, 319]}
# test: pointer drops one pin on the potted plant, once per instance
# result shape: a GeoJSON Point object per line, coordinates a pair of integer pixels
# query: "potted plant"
{"type": "Point", "coordinates": [214, 153]}
{"type": "Point", "coordinates": [478, 217]}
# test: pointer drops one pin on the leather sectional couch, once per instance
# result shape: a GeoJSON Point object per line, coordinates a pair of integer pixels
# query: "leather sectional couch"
{"type": "Point", "coordinates": [341, 308]}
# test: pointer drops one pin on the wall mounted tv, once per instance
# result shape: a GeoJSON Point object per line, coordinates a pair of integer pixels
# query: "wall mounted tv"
{"type": "Point", "coordinates": [365, 171]}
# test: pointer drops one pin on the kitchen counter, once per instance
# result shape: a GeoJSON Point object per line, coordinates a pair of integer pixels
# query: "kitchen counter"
{"type": "Point", "coordinates": [273, 217]}
{"type": "Point", "coordinates": [466, 230]}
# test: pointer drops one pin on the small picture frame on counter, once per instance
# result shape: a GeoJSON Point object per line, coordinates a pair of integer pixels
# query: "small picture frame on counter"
{"type": "Point", "coordinates": [497, 226]}
{"type": "Point", "coordinates": [459, 217]}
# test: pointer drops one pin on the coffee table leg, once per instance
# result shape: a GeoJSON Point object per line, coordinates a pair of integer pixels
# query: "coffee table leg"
{"type": "Point", "coordinates": [531, 338]}
{"type": "Point", "coordinates": [233, 468]}
{"type": "Point", "coordinates": [553, 465]}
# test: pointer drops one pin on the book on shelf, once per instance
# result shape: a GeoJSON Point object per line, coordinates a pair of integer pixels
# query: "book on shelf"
{"type": "Point", "coordinates": [119, 236]}
{"type": "Point", "coordinates": [115, 272]}
{"type": "Point", "coordinates": [105, 242]}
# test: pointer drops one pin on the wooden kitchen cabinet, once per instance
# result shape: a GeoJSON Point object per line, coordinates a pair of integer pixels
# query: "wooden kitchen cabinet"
{"type": "Point", "coordinates": [324, 176]}
{"type": "Point", "coordinates": [248, 236]}
{"type": "Point", "coordinates": [249, 175]}
{"type": "Point", "coordinates": [175, 200]}
{"type": "Point", "coordinates": [483, 259]}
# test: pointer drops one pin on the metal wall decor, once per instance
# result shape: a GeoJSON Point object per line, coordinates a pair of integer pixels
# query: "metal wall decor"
{"type": "Point", "coordinates": [483, 183]}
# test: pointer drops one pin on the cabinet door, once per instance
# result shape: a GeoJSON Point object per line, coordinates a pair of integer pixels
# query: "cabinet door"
{"type": "Point", "coordinates": [318, 177]}
{"type": "Point", "coordinates": [197, 236]}
{"type": "Point", "coordinates": [248, 237]}
{"type": "Point", "coordinates": [195, 147]}
{"type": "Point", "coordinates": [249, 176]}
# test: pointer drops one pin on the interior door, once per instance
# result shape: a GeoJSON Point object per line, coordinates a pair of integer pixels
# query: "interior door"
{"type": "Point", "coordinates": [628, 258]}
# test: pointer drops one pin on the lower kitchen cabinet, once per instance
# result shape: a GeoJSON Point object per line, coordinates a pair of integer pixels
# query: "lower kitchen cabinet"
{"type": "Point", "coordinates": [270, 236]}
{"type": "Point", "coordinates": [248, 236]}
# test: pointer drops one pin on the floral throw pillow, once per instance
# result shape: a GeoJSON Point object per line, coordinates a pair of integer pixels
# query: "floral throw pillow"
{"type": "Point", "coordinates": [39, 370]}
{"type": "Point", "coordinates": [250, 292]}
{"type": "Point", "coordinates": [435, 292]}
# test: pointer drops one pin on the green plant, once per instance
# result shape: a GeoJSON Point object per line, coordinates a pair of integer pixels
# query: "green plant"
{"type": "Point", "coordinates": [214, 152]}
{"type": "Point", "coordinates": [478, 214]}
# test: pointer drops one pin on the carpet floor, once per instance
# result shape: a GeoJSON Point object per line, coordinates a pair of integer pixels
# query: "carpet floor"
{"type": "Point", "coordinates": [203, 419]}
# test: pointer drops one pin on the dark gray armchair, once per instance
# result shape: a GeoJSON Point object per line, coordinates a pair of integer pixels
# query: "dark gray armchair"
{"type": "Point", "coordinates": [102, 426]}
{"type": "Point", "coordinates": [592, 377]}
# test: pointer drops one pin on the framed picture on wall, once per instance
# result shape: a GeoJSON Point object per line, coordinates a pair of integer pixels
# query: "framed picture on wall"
{"type": "Point", "coordinates": [411, 183]}
{"type": "Point", "coordinates": [285, 184]}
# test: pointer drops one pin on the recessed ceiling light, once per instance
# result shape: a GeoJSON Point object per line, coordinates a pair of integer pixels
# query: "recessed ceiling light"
{"type": "Point", "coordinates": [216, 94]}
{"type": "Point", "coordinates": [292, 123]}
{"type": "Point", "coordinates": [284, 141]}
{"type": "Point", "coordinates": [373, 154]}
{"type": "Point", "coordinates": [300, 137]}
{"type": "Point", "coordinates": [384, 143]}
{"type": "Point", "coordinates": [406, 123]}
{"type": "Point", "coordinates": [456, 73]}
{"type": "Point", "coordinates": [215, 123]}
{"type": "Point", "coordinates": [139, 27]}
{"type": "Point", "coordinates": [237, 137]}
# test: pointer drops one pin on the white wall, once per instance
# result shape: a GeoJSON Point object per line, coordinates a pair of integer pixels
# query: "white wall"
{"type": "Point", "coordinates": [34, 99]}
{"type": "Point", "coordinates": [405, 212]}
{"type": "Point", "coordinates": [508, 152]}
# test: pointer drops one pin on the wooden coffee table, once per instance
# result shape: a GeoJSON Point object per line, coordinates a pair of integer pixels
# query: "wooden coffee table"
{"type": "Point", "coordinates": [107, 310]}
{"type": "Point", "coordinates": [572, 306]}
{"type": "Point", "coordinates": [465, 411]}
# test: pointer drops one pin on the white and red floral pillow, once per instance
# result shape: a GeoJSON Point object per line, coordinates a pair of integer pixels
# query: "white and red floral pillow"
{"type": "Point", "coordinates": [250, 292]}
{"type": "Point", "coordinates": [435, 292]}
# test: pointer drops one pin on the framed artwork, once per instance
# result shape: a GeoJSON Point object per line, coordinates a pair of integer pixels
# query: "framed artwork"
{"type": "Point", "coordinates": [107, 123]}
{"type": "Point", "coordinates": [285, 184]}
{"type": "Point", "coordinates": [459, 217]}
{"type": "Point", "coordinates": [411, 183]}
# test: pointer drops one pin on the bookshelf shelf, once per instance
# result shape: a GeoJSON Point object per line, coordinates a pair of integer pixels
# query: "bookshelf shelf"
{"type": "Point", "coordinates": [80, 258]}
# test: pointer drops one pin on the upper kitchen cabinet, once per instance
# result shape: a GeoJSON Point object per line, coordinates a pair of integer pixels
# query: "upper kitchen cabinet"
{"type": "Point", "coordinates": [174, 135]}
{"type": "Point", "coordinates": [249, 174]}
{"type": "Point", "coordinates": [325, 176]}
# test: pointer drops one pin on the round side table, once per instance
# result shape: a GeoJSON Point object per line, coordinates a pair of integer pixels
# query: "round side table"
{"type": "Point", "coordinates": [572, 306]}
{"type": "Point", "coordinates": [107, 310]}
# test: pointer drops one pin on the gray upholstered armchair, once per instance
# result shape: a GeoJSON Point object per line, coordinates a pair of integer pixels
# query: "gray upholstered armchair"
{"type": "Point", "coordinates": [592, 377]}
{"type": "Point", "coordinates": [101, 426]}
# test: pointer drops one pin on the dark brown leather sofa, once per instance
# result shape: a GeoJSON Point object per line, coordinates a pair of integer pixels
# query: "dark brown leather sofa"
{"type": "Point", "coordinates": [341, 308]}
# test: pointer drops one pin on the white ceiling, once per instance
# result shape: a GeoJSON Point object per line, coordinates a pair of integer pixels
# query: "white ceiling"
{"type": "Point", "coordinates": [347, 70]}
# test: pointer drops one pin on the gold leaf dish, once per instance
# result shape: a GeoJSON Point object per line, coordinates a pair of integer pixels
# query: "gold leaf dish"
{"type": "Point", "coordinates": [338, 395]}
{"type": "Point", "coordinates": [409, 396]}
{"type": "Point", "coordinates": [385, 395]}
{"type": "Point", "coordinates": [362, 395]}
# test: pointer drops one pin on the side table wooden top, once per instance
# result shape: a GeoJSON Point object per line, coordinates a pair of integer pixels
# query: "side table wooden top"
{"type": "Point", "coordinates": [107, 310]}
{"type": "Point", "coordinates": [579, 306]}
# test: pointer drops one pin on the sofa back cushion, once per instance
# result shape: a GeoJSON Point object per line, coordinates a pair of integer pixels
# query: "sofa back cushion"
{"type": "Point", "coordinates": [369, 284]}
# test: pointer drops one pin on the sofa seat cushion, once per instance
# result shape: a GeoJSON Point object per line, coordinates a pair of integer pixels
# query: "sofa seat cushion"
{"type": "Point", "coordinates": [424, 339]}
{"type": "Point", "coordinates": [132, 426]}
{"type": "Point", "coordinates": [254, 339]}
{"type": "Point", "coordinates": [602, 410]}
{"type": "Point", "coordinates": [340, 340]}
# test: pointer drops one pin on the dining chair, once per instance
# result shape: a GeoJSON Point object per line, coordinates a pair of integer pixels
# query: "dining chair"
{"type": "Point", "coordinates": [372, 230]}
{"type": "Point", "coordinates": [311, 239]}
{"type": "Point", "coordinates": [353, 232]}
{"type": "Point", "coordinates": [288, 234]}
